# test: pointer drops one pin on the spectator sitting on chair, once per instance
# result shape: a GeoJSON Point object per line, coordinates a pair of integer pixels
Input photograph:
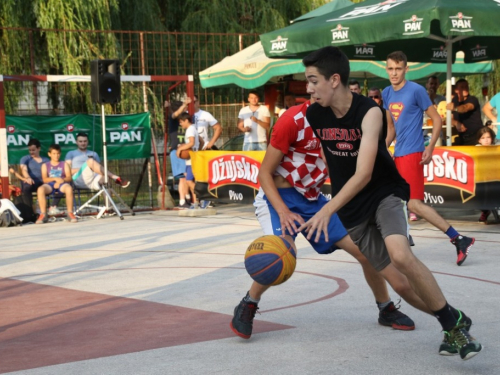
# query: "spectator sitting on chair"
{"type": "Point", "coordinates": [31, 165]}
{"type": "Point", "coordinates": [57, 179]}
{"type": "Point", "coordinates": [85, 168]}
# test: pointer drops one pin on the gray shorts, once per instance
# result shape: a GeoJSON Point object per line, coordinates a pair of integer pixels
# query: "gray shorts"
{"type": "Point", "coordinates": [390, 218]}
{"type": "Point", "coordinates": [85, 178]}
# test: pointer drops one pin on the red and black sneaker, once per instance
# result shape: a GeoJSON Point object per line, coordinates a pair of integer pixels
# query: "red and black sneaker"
{"type": "Point", "coordinates": [484, 216]}
{"type": "Point", "coordinates": [122, 182]}
{"type": "Point", "coordinates": [390, 316]}
{"type": "Point", "coordinates": [463, 245]}
{"type": "Point", "coordinates": [242, 322]}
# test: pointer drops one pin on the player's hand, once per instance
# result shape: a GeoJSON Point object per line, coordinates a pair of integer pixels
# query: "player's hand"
{"type": "Point", "coordinates": [316, 225]}
{"type": "Point", "coordinates": [187, 101]}
{"type": "Point", "coordinates": [166, 104]}
{"type": "Point", "coordinates": [426, 156]}
{"type": "Point", "coordinates": [254, 119]}
{"type": "Point", "coordinates": [450, 106]}
{"type": "Point", "coordinates": [288, 222]}
{"type": "Point", "coordinates": [29, 181]}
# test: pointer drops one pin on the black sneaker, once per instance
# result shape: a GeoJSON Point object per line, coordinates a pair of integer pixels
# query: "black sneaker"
{"type": "Point", "coordinates": [410, 240]}
{"type": "Point", "coordinates": [466, 345]}
{"type": "Point", "coordinates": [484, 217]}
{"type": "Point", "coordinates": [463, 245]}
{"type": "Point", "coordinates": [242, 322]}
{"type": "Point", "coordinates": [390, 316]}
{"type": "Point", "coordinates": [447, 347]}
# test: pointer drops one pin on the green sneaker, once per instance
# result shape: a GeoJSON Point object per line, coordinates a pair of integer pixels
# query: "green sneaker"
{"type": "Point", "coordinates": [447, 347]}
{"type": "Point", "coordinates": [465, 344]}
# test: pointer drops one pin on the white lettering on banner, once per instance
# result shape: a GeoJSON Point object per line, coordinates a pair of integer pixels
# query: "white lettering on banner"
{"type": "Point", "coordinates": [428, 198]}
{"type": "Point", "coordinates": [461, 23]}
{"type": "Point", "coordinates": [413, 26]}
{"type": "Point", "coordinates": [446, 167]}
{"type": "Point", "coordinates": [278, 45]}
{"type": "Point", "coordinates": [439, 54]}
{"type": "Point", "coordinates": [340, 34]}
{"type": "Point", "coordinates": [479, 53]}
{"type": "Point", "coordinates": [132, 136]}
{"type": "Point", "coordinates": [365, 11]}
{"type": "Point", "coordinates": [364, 51]}
{"type": "Point", "coordinates": [234, 196]}
{"type": "Point", "coordinates": [64, 138]}
{"type": "Point", "coordinates": [18, 140]}
{"type": "Point", "coordinates": [231, 170]}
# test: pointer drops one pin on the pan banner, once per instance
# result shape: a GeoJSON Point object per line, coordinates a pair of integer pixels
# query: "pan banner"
{"type": "Point", "coordinates": [127, 136]}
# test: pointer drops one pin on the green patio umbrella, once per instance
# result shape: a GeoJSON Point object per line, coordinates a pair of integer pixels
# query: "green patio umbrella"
{"type": "Point", "coordinates": [426, 30]}
{"type": "Point", "coordinates": [251, 68]}
{"type": "Point", "coordinates": [327, 8]}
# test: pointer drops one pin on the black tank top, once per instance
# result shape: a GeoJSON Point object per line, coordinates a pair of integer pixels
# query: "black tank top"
{"type": "Point", "coordinates": [341, 138]}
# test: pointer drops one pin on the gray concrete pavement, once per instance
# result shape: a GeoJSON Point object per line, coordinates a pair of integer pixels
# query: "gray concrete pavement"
{"type": "Point", "coordinates": [173, 283]}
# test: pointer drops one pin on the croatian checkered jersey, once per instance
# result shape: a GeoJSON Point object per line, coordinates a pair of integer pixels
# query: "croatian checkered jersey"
{"type": "Point", "coordinates": [302, 165]}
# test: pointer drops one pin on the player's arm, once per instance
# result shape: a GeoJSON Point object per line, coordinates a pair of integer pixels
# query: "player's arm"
{"type": "Point", "coordinates": [217, 128]}
{"type": "Point", "coordinates": [488, 111]}
{"type": "Point", "coordinates": [372, 127]}
{"type": "Point", "coordinates": [391, 130]}
{"type": "Point", "coordinates": [45, 177]}
{"type": "Point", "coordinates": [241, 126]}
{"type": "Point", "coordinates": [186, 146]}
{"type": "Point", "coordinates": [437, 126]}
{"type": "Point", "coordinates": [269, 165]}
{"type": "Point", "coordinates": [26, 176]}
{"type": "Point", "coordinates": [182, 108]}
{"type": "Point", "coordinates": [67, 172]}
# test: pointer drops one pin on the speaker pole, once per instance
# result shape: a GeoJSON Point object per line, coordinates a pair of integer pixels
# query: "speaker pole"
{"type": "Point", "coordinates": [104, 151]}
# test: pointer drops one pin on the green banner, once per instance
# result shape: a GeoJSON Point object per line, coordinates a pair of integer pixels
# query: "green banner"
{"type": "Point", "coordinates": [127, 136]}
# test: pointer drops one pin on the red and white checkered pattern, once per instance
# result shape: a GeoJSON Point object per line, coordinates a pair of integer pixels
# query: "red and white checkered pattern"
{"type": "Point", "coordinates": [302, 165]}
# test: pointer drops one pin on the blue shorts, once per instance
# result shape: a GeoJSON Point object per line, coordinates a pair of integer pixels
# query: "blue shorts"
{"type": "Point", "coordinates": [189, 173]}
{"type": "Point", "coordinates": [178, 165]}
{"type": "Point", "coordinates": [54, 190]}
{"type": "Point", "coordinates": [270, 221]}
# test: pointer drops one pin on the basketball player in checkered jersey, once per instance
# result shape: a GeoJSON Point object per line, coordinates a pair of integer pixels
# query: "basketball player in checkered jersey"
{"type": "Point", "coordinates": [368, 193]}
{"type": "Point", "coordinates": [291, 176]}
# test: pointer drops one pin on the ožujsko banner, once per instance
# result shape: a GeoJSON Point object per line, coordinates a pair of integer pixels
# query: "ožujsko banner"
{"type": "Point", "coordinates": [127, 136]}
{"type": "Point", "coordinates": [457, 177]}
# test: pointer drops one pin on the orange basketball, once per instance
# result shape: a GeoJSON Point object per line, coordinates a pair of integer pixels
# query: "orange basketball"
{"type": "Point", "coordinates": [270, 260]}
{"type": "Point", "coordinates": [185, 154]}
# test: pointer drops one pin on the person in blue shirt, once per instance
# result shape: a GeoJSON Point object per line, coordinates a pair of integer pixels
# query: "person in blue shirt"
{"type": "Point", "coordinates": [406, 102]}
{"type": "Point", "coordinates": [31, 165]}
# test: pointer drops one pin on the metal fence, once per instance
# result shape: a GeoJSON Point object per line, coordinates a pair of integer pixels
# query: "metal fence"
{"type": "Point", "coordinates": [141, 53]}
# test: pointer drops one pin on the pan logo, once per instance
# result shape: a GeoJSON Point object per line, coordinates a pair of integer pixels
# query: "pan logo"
{"type": "Point", "coordinates": [439, 54]}
{"type": "Point", "coordinates": [413, 26]}
{"type": "Point", "coordinates": [461, 23]}
{"type": "Point", "coordinates": [382, 7]}
{"type": "Point", "coordinates": [479, 52]}
{"type": "Point", "coordinates": [278, 45]}
{"type": "Point", "coordinates": [340, 34]}
{"type": "Point", "coordinates": [366, 51]}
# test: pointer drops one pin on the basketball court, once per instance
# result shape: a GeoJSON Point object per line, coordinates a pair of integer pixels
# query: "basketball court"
{"type": "Point", "coordinates": [154, 294]}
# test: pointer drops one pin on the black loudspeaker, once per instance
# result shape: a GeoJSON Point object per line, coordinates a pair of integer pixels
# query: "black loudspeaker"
{"type": "Point", "coordinates": [105, 81]}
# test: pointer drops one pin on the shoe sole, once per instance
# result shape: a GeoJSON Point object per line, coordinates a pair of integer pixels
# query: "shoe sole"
{"type": "Point", "coordinates": [243, 336]}
{"type": "Point", "coordinates": [397, 326]}
{"type": "Point", "coordinates": [466, 252]}
{"type": "Point", "coordinates": [472, 354]}
{"type": "Point", "coordinates": [447, 354]}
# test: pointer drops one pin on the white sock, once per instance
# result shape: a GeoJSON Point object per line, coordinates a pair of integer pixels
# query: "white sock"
{"type": "Point", "coordinates": [181, 202]}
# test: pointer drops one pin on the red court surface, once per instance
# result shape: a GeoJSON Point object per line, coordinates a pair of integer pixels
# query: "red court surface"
{"type": "Point", "coordinates": [44, 325]}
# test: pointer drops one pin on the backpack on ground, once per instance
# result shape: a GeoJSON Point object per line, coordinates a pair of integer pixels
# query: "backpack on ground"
{"type": "Point", "coordinates": [26, 211]}
{"type": "Point", "coordinates": [8, 219]}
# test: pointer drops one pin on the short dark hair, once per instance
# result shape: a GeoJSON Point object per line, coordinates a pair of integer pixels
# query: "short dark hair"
{"type": "Point", "coordinates": [486, 129]}
{"type": "Point", "coordinates": [85, 135]}
{"type": "Point", "coordinates": [288, 93]}
{"type": "Point", "coordinates": [184, 116]}
{"type": "Point", "coordinates": [34, 142]}
{"type": "Point", "coordinates": [329, 61]}
{"type": "Point", "coordinates": [432, 77]}
{"type": "Point", "coordinates": [461, 80]}
{"type": "Point", "coordinates": [354, 82]}
{"type": "Point", "coordinates": [398, 56]}
{"type": "Point", "coordinates": [54, 146]}
{"type": "Point", "coordinates": [253, 92]}
{"type": "Point", "coordinates": [374, 89]}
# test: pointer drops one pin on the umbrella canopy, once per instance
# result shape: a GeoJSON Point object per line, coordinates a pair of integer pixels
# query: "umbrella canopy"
{"type": "Point", "coordinates": [327, 8]}
{"type": "Point", "coordinates": [426, 31]}
{"type": "Point", "coordinates": [251, 68]}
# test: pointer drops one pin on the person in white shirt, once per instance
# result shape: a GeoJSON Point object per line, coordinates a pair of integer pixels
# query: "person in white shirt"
{"type": "Point", "coordinates": [254, 120]}
{"type": "Point", "coordinates": [202, 120]}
